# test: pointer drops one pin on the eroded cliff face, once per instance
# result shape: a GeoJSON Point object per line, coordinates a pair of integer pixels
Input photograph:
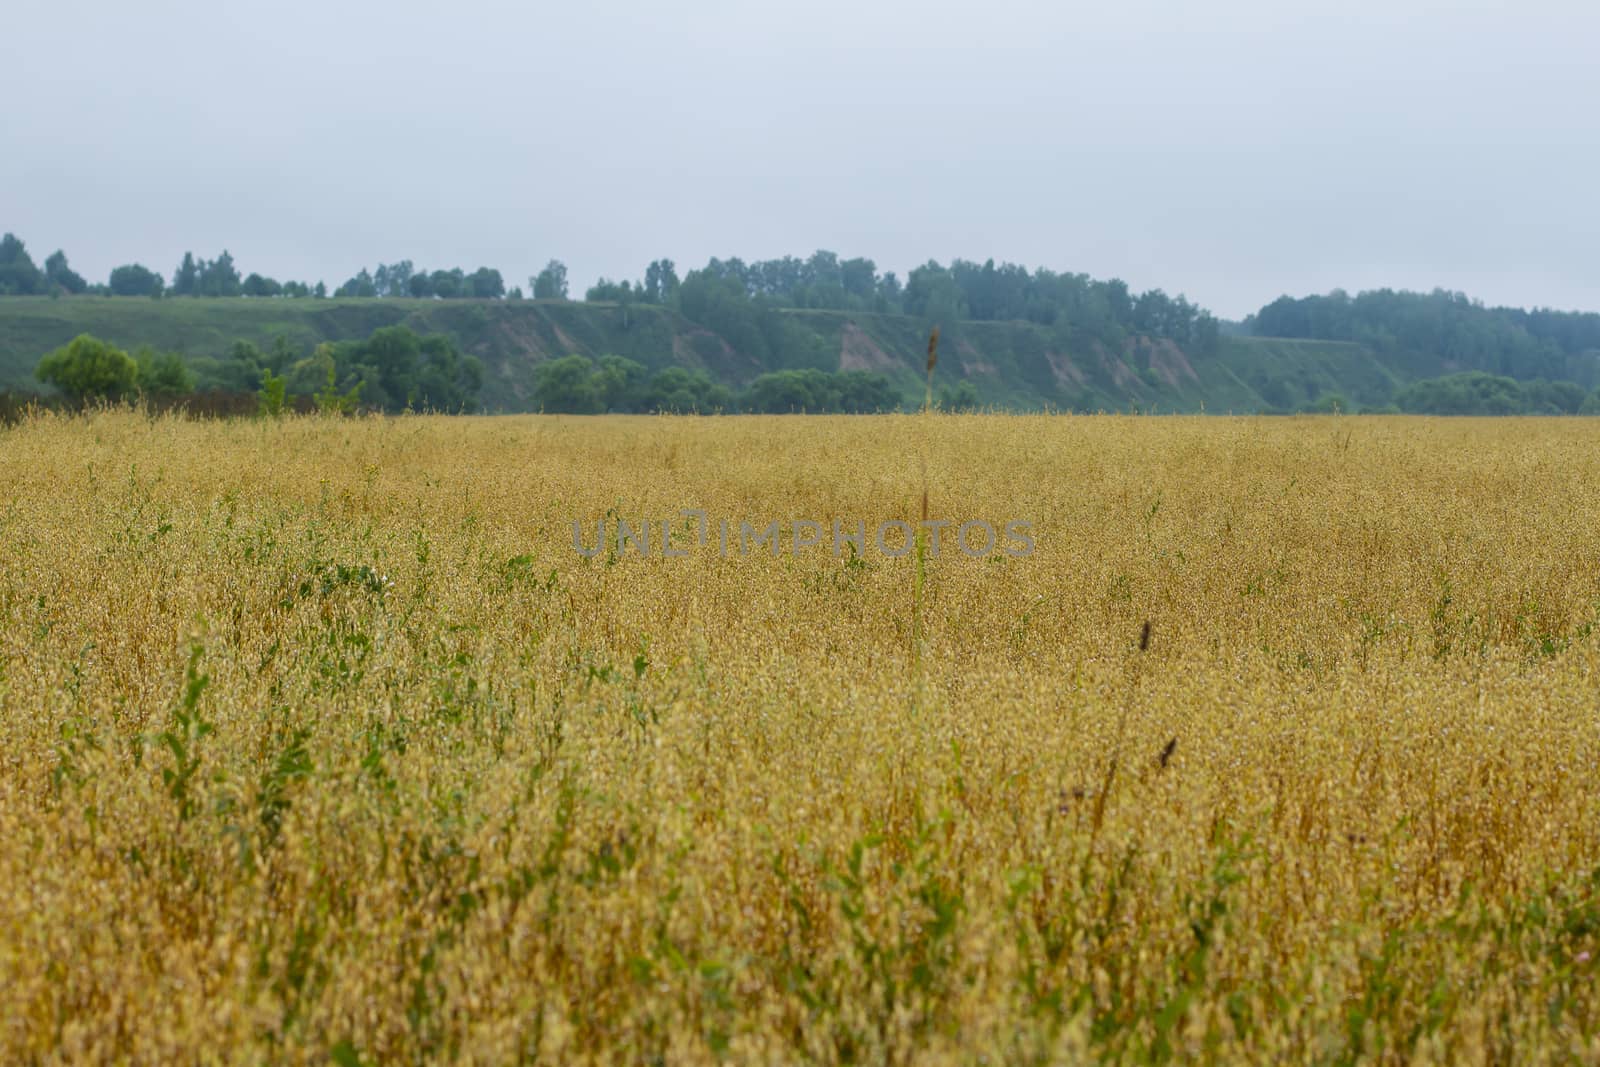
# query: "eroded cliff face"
{"type": "Point", "coordinates": [1010, 364]}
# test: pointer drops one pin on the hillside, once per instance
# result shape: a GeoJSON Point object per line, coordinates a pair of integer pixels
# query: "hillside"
{"type": "Point", "coordinates": [1011, 364]}
{"type": "Point", "coordinates": [510, 337]}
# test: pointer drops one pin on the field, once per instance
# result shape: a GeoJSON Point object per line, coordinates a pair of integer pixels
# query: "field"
{"type": "Point", "coordinates": [321, 740]}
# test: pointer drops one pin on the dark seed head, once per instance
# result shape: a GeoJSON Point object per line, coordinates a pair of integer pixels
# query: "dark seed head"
{"type": "Point", "coordinates": [1144, 637]}
{"type": "Point", "coordinates": [1166, 753]}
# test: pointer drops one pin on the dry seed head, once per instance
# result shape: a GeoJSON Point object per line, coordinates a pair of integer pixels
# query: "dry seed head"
{"type": "Point", "coordinates": [515, 828]}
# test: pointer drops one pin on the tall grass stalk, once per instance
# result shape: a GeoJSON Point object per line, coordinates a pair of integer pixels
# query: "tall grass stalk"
{"type": "Point", "coordinates": [920, 573]}
{"type": "Point", "coordinates": [466, 794]}
{"type": "Point", "coordinates": [1122, 727]}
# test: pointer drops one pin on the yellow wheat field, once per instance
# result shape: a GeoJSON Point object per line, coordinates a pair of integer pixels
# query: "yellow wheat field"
{"type": "Point", "coordinates": [321, 742]}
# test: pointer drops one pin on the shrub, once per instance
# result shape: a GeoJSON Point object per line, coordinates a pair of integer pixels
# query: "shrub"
{"type": "Point", "coordinates": [162, 373]}
{"type": "Point", "coordinates": [89, 368]}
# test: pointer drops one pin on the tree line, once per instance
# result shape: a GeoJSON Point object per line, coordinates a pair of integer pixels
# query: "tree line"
{"type": "Point", "coordinates": [1467, 393]}
{"type": "Point", "coordinates": [220, 277]}
{"type": "Point", "coordinates": [394, 369]}
{"type": "Point", "coordinates": [741, 301]}
{"type": "Point", "coordinates": [750, 306]}
{"type": "Point", "coordinates": [578, 385]}
{"type": "Point", "coordinates": [726, 294]}
{"type": "Point", "coordinates": [1414, 329]}
{"type": "Point", "coordinates": [1478, 393]}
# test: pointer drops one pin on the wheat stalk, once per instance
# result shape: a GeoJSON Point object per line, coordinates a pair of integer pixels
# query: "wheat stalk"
{"type": "Point", "coordinates": [1122, 725]}
{"type": "Point", "coordinates": [919, 574]}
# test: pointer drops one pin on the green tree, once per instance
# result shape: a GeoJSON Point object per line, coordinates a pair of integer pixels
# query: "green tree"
{"type": "Point", "coordinates": [448, 284]}
{"type": "Point", "coordinates": [620, 383]}
{"type": "Point", "coordinates": [135, 280]}
{"type": "Point", "coordinates": [1470, 393]}
{"type": "Point", "coordinates": [18, 275]}
{"type": "Point", "coordinates": [1422, 331]}
{"type": "Point", "coordinates": [717, 299]}
{"type": "Point", "coordinates": [567, 386]}
{"type": "Point", "coordinates": [395, 370]}
{"type": "Point", "coordinates": [863, 392]}
{"type": "Point", "coordinates": [258, 286]}
{"type": "Point", "coordinates": [186, 279]}
{"type": "Point", "coordinates": [270, 401]}
{"type": "Point", "coordinates": [307, 376]}
{"type": "Point", "coordinates": [88, 368]}
{"type": "Point", "coordinates": [361, 285]}
{"type": "Point", "coordinates": [330, 401]}
{"type": "Point", "coordinates": [394, 279]}
{"type": "Point", "coordinates": [604, 290]}
{"type": "Point", "coordinates": [661, 282]}
{"type": "Point", "coordinates": [932, 294]}
{"type": "Point", "coordinates": [964, 397]}
{"type": "Point", "coordinates": [446, 380]}
{"type": "Point", "coordinates": [551, 284]}
{"type": "Point", "coordinates": [59, 274]}
{"type": "Point", "coordinates": [786, 392]}
{"type": "Point", "coordinates": [858, 278]}
{"type": "Point", "coordinates": [485, 283]}
{"type": "Point", "coordinates": [679, 391]}
{"type": "Point", "coordinates": [394, 352]}
{"type": "Point", "coordinates": [1552, 398]}
{"type": "Point", "coordinates": [889, 298]}
{"type": "Point", "coordinates": [220, 277]}
{"type": "Point", "coordinates": [161, 373]}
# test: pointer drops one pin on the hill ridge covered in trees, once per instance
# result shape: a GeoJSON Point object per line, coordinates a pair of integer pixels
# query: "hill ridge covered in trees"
{"type": "Point", "coordinates": [1016, 338]}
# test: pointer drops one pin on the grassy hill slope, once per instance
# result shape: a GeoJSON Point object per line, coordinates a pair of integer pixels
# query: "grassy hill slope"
{"type": "Point", "coordinates": [1011, 364]}
{"type": "Point", "coordinates": [1289, 374]}
{"type": "Point", "coordinates": [511, 337]}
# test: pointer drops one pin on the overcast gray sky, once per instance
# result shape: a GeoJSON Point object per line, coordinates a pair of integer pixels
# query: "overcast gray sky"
{"type": "Point", "coordinates": [1231, 150]}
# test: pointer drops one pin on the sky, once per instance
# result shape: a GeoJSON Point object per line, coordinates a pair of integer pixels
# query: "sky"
{"type": "Point", "coordinates": [1232, 151]}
